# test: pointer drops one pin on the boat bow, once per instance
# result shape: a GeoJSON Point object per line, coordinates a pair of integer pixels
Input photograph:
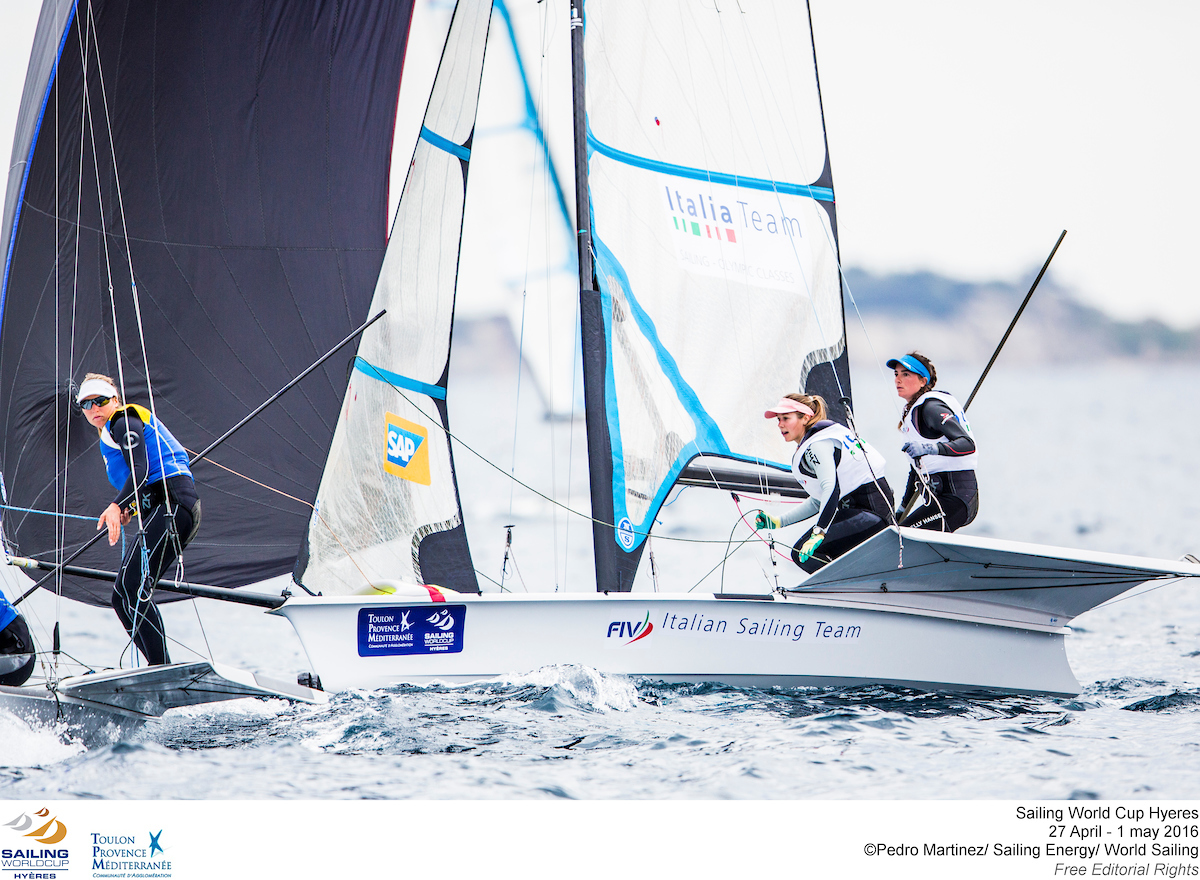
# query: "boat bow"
{"type": "Point", "coordinates": [993, 581]}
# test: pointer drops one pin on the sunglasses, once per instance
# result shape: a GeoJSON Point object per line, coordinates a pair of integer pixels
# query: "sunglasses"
{"type": "Point", "coordinates": [94, 401]}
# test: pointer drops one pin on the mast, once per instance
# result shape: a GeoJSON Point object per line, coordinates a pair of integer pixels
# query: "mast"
{"type": "Point", "coordinates": [595, 348]}
{"type": "Point", "coordinates": [830, 379]}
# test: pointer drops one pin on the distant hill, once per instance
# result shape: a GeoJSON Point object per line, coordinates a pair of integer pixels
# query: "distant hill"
{"type": "Point", "coordinates": [960, 320]}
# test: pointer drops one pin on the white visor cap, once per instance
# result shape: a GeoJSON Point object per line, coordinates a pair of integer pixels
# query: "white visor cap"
{"type": "Point", "coordinates": [95, 388]}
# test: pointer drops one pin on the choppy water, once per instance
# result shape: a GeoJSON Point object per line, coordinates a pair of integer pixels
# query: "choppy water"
{"type": "Point", "coordinates": [1082, 478]}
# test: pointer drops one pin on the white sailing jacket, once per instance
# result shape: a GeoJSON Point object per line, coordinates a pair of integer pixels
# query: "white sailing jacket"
{"type": "Point", "coordinates": [935, 464]}
{"type": "Point", "coordinates": [859, 464]}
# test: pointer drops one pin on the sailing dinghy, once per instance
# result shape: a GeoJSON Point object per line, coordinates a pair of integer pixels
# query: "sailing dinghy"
{"type": "Point", "coordinates": [177, 214]}
{"type": "Point", "coordinates": [709, 280]}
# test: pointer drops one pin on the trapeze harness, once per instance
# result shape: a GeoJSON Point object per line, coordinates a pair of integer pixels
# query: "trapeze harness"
{"type": "Point", "coordinates": [950, 473]}
{"type": "Point", "coordinates": [16, 646]}
{"type": "Point", "coordinates": [843, 476]}
{"type": "Point", "coordinates": [160, 486]}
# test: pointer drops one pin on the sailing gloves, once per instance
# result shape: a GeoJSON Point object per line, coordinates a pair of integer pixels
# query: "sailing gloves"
{"type": "Point", "coordinates": [766, 521]}
{"type": "Point", "coordinates": [809, 547]}
{"type": "Point", "coordinates": [917, 448]}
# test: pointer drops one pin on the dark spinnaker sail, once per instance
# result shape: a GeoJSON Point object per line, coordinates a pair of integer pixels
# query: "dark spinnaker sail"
{"type": "Point", "coordinates": [250, 143]}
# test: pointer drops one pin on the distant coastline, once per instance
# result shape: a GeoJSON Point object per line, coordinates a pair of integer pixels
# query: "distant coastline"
{"type": "Point", "coordinates": [961, 319]}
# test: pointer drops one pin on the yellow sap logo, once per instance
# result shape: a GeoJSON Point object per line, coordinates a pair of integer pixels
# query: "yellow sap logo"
{"type": "Point", "coordinates": [406, 453]}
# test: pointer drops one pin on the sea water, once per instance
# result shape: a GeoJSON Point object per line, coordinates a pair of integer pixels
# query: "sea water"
{"type": "Point", "coordinates": [1098, 458]}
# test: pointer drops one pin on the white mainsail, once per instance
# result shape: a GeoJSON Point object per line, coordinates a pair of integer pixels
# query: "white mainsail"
{"type": "Point", "coordinates": [713, 229]}
{"type": "Point", "coordinates": [387, 506]}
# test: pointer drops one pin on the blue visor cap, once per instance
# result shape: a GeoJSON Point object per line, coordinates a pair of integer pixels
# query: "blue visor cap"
{"type": "Point", "coordinates": [910, 363]}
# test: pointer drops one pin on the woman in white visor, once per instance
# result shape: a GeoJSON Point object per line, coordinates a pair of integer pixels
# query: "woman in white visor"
{"type": "Point", "coordinates": [843, 476]}
{"type": "Point", "coordinates": [149, 469]}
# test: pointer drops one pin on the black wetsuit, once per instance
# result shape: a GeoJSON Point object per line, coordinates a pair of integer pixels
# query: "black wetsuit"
{"type": "Point", "coordinates": [169, 520]}
{"type": "Point", "coordinates": [955, 500]}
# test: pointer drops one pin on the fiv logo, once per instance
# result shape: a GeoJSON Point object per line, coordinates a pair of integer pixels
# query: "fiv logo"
{"type": "Point", "coordinates": [406, 453]}
{"type": "Point", "coordinates": [621, 629]}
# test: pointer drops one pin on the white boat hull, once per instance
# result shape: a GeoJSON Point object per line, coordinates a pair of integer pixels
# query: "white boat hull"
{"type": "Point", "coordinates": [788, 642]}
{"type": "Point", "coordinates": [961, 614]}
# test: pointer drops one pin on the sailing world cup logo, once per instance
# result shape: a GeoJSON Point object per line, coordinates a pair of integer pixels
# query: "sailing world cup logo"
{"type": "Point", "coordinates": [44, 829]}
{"type": "Point", "coordinates": [48, 831]}
{"type": "Point", "coordinates": [406, 450]}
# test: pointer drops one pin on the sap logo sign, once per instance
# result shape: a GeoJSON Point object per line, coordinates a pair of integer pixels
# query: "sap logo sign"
{"type": "Point", "coordinates": [402, 446]}
{"type": "Point", "coordinates": [406, 451]}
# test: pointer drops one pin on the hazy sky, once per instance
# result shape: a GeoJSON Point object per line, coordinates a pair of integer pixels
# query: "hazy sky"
{"type": "Point", "coordinates": [965, 136]}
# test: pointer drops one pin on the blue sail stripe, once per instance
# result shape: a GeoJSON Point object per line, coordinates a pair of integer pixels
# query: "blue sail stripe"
{"type": "Point", "coordinates": [399, 381]}
{"type": "Point", "coordinates": [820, 193]}
{"type": "Point", "coordinates": [708, 435]}
{"type": "Point", "coordinates": [442, 143]}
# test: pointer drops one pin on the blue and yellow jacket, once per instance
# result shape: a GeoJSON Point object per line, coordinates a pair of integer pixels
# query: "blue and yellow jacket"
{"type": "Point", "coordinates": [165, 456]}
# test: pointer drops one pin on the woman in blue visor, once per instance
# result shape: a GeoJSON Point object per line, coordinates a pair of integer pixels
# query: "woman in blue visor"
{"type": "Point", "coordinates": [942, 493]}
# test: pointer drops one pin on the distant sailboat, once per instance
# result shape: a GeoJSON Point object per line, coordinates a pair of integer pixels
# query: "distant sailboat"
{"type": "Point", "coordinates": [517, 206]}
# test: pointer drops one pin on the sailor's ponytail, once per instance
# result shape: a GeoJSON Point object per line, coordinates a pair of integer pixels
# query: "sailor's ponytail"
{"type": "Point", "coordinates": [815, 402]}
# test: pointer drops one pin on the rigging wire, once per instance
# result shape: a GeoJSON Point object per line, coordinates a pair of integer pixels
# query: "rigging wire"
{"type": "Point", "coordinates": [461, 443]}
{"type": "Point", "coordinates": [137, 302]}
{"type": "Point", "coordinates": [57, 353]}
{"type": "Point", "coordinates": [55, 513]}
{"type": "Point", "coordinates": [504, 14]}
{"type": "Point", "coordinates": [88, 41]}
{"type": "Point", "coordinates": [545, 171]}
{"type": "Point", "coordinates": [720, 564]}
{"type": "Point", "coordinates": [87, 103]}
{"type": "Point", "coordinates": [307, 504]}
{"type": "Point", "coordinates": [83, 37]}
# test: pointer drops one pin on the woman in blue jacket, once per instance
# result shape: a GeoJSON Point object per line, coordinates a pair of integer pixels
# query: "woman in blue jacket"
{"type": "Point", "coordinates": [149, 469]}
